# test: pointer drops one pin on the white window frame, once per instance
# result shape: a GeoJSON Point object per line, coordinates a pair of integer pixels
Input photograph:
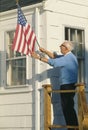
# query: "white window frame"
{"type": "Point", "coordinates": [10, 59]}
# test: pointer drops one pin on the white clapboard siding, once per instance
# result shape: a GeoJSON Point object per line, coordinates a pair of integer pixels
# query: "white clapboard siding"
{"type": "Point", "coordinates": [16, 98]}
{"type": "Point", "coordinates": [69, 8]}
{"type": "Point", "coordinates": [80, 2]}
{"type": "Point", "coordinates": [18, 129]}
{"type": "Point", "coordinates": [16, 122]}
{"type": "Point", "coordinates": [16, 110]}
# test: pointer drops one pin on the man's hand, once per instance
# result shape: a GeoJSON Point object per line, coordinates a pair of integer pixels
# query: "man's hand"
{"type": "Point", "coordinates": [35, 55]}
{"type": "Point", "coordinates": [50, 54]}
{"type": "Point", "coordinates": [42, 49]}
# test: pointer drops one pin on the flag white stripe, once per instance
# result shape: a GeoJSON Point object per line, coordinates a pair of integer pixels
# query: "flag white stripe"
{"type": "Point", "coordinates": [18, 38]}
{"type": "Point", "coordinates": [31, 42]}
{"type": "Point", "coordinates": [29, 32]}
{"type": "Point", "coordinates": [22, 43]}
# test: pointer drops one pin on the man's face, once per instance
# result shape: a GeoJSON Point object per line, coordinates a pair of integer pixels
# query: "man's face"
{"type": "Point", "coordinates": [63, 48]}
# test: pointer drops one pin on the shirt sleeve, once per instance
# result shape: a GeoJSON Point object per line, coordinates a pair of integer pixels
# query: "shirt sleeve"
{"type": "Point", "coordinates": [57, 62]}
{"type": "Point", "coordinates": [51, 62]}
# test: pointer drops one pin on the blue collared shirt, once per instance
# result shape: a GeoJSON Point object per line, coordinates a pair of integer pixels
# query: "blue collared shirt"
{"type": "Point", "coordinates": [68, 65]}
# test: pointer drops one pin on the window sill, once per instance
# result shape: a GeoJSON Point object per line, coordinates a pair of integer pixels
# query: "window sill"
{"type": "Point", "coordinates": [15, 89]}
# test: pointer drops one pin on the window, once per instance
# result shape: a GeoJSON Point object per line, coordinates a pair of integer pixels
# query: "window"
{"type": "Point", "coordinates": [76, 36]}
{"type": "Point", "coordinates": [15, 64]}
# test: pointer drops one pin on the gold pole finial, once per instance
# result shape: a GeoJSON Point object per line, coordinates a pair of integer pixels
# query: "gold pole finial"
{"type": "Point", "coordinates": [17, 1]}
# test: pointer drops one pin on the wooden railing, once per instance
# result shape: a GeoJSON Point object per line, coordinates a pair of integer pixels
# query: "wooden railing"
{"type": "Point", "coordinates": [82, 107]}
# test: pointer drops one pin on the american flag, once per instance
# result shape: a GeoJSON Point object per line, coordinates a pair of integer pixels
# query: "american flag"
{"type": "Point", "coordinates": [25, 38]}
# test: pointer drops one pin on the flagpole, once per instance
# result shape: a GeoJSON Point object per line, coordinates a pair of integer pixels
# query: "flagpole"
{"type": "Point", "coordinates": [37, 43]}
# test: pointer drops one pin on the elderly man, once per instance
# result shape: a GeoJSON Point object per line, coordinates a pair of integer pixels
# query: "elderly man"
{"type": "Point", "coordinates": [68, 74]}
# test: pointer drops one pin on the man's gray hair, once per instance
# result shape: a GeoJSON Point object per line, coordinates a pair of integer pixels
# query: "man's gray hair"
{"type": "Point", "coordinates": [69, 45]}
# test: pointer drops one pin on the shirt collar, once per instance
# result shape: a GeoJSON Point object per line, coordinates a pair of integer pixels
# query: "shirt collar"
{"type": "Point", "coordinates": [67, 53]}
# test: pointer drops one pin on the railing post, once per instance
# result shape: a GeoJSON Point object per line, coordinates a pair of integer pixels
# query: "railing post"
{"type": "Point", "coordinates": [82, 108]}
{"type": "Point", "coordinates": [80, 114]}
{"type": "Point", "coordinates": [47, 106]}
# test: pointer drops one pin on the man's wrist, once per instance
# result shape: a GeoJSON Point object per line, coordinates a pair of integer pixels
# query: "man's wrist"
{"type": "Point", "coordinates": [40, 58]}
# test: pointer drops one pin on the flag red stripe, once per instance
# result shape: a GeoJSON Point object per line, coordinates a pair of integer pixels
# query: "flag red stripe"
{"type": "Point", "coordinates": [20, 39]}
{"type": "Point", "coordinates": [33, 44]}
{"type": "Point", "coordinates": [24, 46]}
{"type": "Point", "coordinates": [15, 38]}
{"type": "Point", "coordinates": [32, 49]}
{"type": "Point", "coordinates": [30, 38]}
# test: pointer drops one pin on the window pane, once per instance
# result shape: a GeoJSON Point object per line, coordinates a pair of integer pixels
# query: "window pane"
{"type": "Point", "coordinates": [9, 39]}
{"type": "Point", "coordinates": [16, 72]}
{"type": "Point", "coordinates": [79, 36]}
{"type": "Point", "coordinates": [72, 35]}
{"type": "Point", "coordinates": [78, 49]}
{"type": "Point", "coordinates": [75, 48]}
{"type": "Point", "coordinates": [66, 34]}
